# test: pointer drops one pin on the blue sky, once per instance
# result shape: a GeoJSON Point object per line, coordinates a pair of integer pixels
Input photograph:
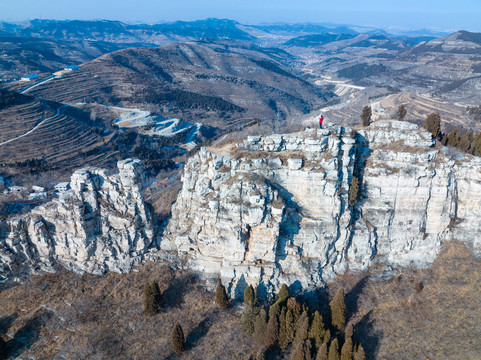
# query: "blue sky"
{"type": "Point", "coordinates": [441, 14]}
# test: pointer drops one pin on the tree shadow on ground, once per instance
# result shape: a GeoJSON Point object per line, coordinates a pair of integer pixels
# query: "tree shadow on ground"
{"type": "Point", "coordinates": [6, 322]}
{"type": "Point", "coordinates": [364, 333]}
{"type": "Point", "coordinates": [174, 295]}
{"type": "Point", "coordinates": [28, 334]}
{"type": "Point", "coordinates": [199, 332]}
{"type": "Point", "coordinates": [352, 297]}
{"type": "Point", "coordinates": [195, 335]}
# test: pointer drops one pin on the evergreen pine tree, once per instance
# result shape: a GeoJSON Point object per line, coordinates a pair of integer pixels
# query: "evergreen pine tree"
{"type": "Point", "coordinates": [302, 328]}
{"type": "Point", "coordinates": [177, 338]}
{"type": "Point", "coordinates": [290, 327]}
{"type": "Point", "coordinates": [295, 308]}
{"type": "Point", "coordinates": [322, 352]}
{"type": "Point", "coordinates": [249, 296]}
{"type": "Point", "coordinates": [283, 340]}
{"type": "Point", "coordinates": [302, 351]}
{"type": "Point", "coordinates": [260, 327]}
{"type": "Point", "coordinates": [307, 349]}
{"type": "Point", "coordinates": [401, 112]}
{"type": "Point", "coordinates": [338, 309]}
{"type": "Point", "coordinates": [349, 332]}
{"type": "Point", "coordinates": [274, 310]}
{"type": "Point", "coordinates": [334, 350]}
{"type": "Point", "coordinates": [317, 330]}
{"type": "Point", "coordinates": [366, 115]}
{"type": "Point", "coordinates": [346, 351]}
{"type": "Point", "coordinates": [272, 334]}
{"type": "Point", "coordinates": [151, 299]}
{"type": "Point", "coordinates": [248, 319]}
{"type": "Point", "coordinates": [327, 336]}
{"type": "Point", "coordinates": [360, 354]}
{"type": "Point", "coordinates": [433, 124]}
{"type": "Point", "coordinates": [221, 296]}
{"type": "Point", "coordinates": [283, 294]}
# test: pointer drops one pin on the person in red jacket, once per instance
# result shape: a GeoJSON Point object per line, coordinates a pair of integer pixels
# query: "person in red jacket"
{"type": "Point", "coordinates": [321, 119]}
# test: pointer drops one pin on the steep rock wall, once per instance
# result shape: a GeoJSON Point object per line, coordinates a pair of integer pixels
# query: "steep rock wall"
{"type": "Point", "coordinates": [100, 224]}
{"type": "Point", "coordinates": [278, 209]}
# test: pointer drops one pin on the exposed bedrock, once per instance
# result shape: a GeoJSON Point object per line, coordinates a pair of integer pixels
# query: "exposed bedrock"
{"type": "Point", "coordinates": [100, 224]}
{"type": "Point", "coordinates": [277, 209]}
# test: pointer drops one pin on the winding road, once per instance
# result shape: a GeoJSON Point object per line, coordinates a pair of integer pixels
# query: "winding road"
{"type": "Point", "coordinates": [36, 127]}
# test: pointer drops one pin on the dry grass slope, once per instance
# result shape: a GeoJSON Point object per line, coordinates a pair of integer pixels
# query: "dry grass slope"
{"type": "Point", "coordinates": [418, 314]}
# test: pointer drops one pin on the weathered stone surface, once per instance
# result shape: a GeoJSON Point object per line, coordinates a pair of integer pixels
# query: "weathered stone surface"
{"type": "Point", "coordinates": [283, 216]}
{"type": "Point", "coordinates": [101, 224]}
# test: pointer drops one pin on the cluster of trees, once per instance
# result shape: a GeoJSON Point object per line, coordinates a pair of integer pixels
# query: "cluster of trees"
{"type": "Point", "coordinates": [31, 166]}
{"type": "Point", "coordinates": [361, 71]}
{"type": "Point", "coordinates": [190, 100]}
{"type": "Point", "coordinates": [288, 323]}
{"type": "Point", "coordinates": [466, 141]}
{"type": "Point", "coordinates": [153, 152]}
{"type": "Point", "coordinates": [475, 111]}
{"type": "Point", "coordinates": [11, 98]}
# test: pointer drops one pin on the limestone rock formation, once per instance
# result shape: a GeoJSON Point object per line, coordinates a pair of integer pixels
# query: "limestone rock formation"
{"type": "Point", "coordinates": [101, 223]}
{"type": "Point", "coordinates": [276, 209]}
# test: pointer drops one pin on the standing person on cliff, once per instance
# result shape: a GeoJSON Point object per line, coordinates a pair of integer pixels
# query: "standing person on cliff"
{"type": "Point", "coordinates": [321, 119]}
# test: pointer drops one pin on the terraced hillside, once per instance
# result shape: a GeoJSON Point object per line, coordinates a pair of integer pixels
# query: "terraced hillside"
{"type": "Point", "coordinates": [193, 81]}
{"type": "Point", "coordinates": [52, 134]}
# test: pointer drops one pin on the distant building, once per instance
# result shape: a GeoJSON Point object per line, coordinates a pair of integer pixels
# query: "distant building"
{"type": "Point", "coordinates": [40, 195]}
{"type": "Point", "coordinates": [71, 67]}
{"type": "Point", "coordinates": [38, 189]}
{"type": "Point", "coordinates": [63, 186]}
{"type": "Point", "coordinates": [29, 77]}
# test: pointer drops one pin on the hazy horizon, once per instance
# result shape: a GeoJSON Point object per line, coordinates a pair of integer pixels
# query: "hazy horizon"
{"type": "Point", "coordinates": [439, 15]}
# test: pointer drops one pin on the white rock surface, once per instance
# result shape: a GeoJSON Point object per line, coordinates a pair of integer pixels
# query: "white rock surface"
{"type": "Point", "coordinates": [280, 213]}
{"type": "Point", "coordinates": [100, 224]}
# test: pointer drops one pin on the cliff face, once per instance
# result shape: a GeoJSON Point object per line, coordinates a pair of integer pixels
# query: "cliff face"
{"type": "Point", "coordinates": [101, 223]}
{"type": "Point", "coordinates": [278, 209]}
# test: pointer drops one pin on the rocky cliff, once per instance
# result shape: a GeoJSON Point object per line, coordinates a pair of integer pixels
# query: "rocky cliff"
{"type": "Point", "coordinates": [101, 223]}
{"type": "Point", "coordinates": [277, 209]}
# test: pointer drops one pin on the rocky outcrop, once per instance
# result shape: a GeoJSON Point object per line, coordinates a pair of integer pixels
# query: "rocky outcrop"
{"type": "Point", "coordinates": [278, 210]}
{"type": "Point", "coordinates": [100, 224]}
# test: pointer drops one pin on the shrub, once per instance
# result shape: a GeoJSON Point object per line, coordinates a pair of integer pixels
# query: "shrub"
{"type": "Point", "coordinates": [338, 309]}
{"type": "Point", "coordinates": [353, 192]}
{"type": "Point", "coordinates": [221, 296]}
{"type": "Point", "coordinates": [177, 339]}
{"type": "Point", "coordinates": [152, 299]}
